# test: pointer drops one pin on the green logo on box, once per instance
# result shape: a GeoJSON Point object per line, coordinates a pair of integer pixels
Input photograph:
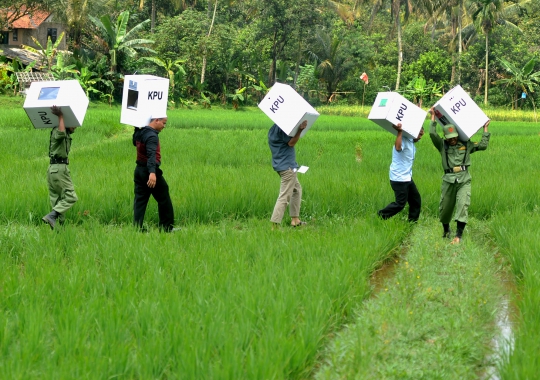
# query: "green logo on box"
{"type": "Point", "coordinates": [383, 103]}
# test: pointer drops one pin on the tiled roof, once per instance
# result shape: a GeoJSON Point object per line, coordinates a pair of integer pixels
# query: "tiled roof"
{"type": "Point", "coordinates": [30, 21]}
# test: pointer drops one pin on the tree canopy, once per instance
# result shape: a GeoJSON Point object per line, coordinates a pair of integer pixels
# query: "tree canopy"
{"type": "Point", "coordinates": [213, 50]}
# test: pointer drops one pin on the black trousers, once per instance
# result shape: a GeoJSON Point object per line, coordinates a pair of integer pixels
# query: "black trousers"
{"type": "Point", "coordinates": [160, 193]}
{"type": "Point", "coordinates": [405, 192]}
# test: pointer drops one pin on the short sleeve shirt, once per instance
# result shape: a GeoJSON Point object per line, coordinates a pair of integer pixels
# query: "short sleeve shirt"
{"type": "Point", "coordinates": [402, 162]}
{"type": "Point", "coordinates": [283, 155]}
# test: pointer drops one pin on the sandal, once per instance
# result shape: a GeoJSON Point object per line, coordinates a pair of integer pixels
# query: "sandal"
{"type": "Point", "coordinates": [300, 223]}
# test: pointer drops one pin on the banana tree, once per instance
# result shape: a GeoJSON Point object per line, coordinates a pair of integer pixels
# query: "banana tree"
{"type": "Point", "coordinates": [116, 38]}
{"type": "Point", "coordinates": [524, 79]}
{"type": "Point", "coordinates": [171, 67]}
{"type": "Point", "coordinates": [62, 71]}
{"type": "Point", "coordinates": [49, 51]}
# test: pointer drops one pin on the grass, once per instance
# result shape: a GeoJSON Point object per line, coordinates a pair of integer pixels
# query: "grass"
{"type": "Point", "coordinates": [516, 233]}
{"type": "Point", "coordinates": [231, 301]}
{"type": "Point", "coordinates": [494, 113]}
{"type": "Point", "coordinates": [432, 320]}
{"type": "Point", "coordinates": [226, 297]}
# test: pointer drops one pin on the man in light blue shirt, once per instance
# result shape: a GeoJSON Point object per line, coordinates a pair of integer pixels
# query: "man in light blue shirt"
{"type": "Point", "coordinates": [401, 180]}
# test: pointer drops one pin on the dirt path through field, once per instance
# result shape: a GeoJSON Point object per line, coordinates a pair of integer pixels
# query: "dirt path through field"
{"type": "Point", "coordinates": [435, 315]}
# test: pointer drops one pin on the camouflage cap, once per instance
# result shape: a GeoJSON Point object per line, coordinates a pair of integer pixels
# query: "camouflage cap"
{"type": "Point", "coordinates": [450, 131]}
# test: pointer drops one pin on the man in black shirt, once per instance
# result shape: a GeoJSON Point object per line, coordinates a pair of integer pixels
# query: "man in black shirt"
{"type": "Point", "coordinates": [148, 177]}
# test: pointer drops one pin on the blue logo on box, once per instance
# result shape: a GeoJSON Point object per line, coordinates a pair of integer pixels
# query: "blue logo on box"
{"type": "Point", "coordinates": [132, 85]}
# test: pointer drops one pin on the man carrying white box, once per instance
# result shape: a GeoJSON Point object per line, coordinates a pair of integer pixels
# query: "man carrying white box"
{"type": "Point", "coordinates": [401, 181]}
{"type": "Point", "coordinates": [457, 108]}
{"type": "Point", "coordinates": [391, 108]}
{"type": "Point", "coordinates": [284, 163]}
{"type": "Point", "coordinates": [61, 191]}
{"type": "Point", "coordinates": [456, 180]}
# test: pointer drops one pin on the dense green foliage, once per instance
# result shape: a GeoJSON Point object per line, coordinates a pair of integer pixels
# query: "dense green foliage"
{"type": "Point", "coordinates": [321, 47]}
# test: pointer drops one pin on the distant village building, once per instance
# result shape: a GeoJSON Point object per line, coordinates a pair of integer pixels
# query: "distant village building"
{"type": "Point", "coordinates": [38, 24]}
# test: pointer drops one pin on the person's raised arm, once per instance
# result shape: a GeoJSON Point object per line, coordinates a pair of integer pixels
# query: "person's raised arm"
{"type": "Point", "coordinates": [486, 126]}
{"type": "Point", "coordinates": [294, 140]}
{"type": "Point", "coordinates": [399, 138]}
{"type": "Point", "coordinates": [435, 138]}
{"type": "Point", "coordinates": [58, 112]}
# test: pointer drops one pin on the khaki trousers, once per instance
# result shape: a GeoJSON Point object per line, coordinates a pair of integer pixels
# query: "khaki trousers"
{"type": "Point", "coordinates": [61, 191]}
{"type": "Point", "coordinates": [455, 195]}
{"type": "Point", "coordinates": [290, 193]}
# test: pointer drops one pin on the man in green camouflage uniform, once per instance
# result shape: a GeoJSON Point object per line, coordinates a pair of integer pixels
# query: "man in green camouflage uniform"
{"type": "Point", "coordinates": [61, 191]}
{"type": "Point", "coordinates": [456, 181]}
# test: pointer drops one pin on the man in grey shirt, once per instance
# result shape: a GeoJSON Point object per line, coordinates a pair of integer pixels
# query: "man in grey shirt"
{"type": "Point", "coordinates": [284, 163]}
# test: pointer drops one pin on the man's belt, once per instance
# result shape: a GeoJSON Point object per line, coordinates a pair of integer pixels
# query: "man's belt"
{"type": "Point", "coordinates": [59, 160]}
{"type": "Point", "coordinates": [456, 169]}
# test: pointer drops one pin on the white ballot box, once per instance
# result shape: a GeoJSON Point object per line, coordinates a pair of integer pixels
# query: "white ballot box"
{"type": "Point", "coordinates": [391, 108]}
{"type": "Point", "coordinates": [456, 107]}
{"type": "Point", "coordinates": [66, 94]}
{"type": "Point", "coordinates": [288, 109]}
{"type": "Point", "coordinates": [143, 96]}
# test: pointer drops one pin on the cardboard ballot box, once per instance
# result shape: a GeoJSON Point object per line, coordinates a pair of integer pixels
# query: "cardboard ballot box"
{"type": "Point", "coordinates": [144, 96]}
{"type": "Point", "coordinates": [391, 108]}
{"type": "Point", "coordinates": [456, 107]}
{"type": "Point", "coordinates": [288, 109]}
{"type": "Point", "coordinates": [66, 94]}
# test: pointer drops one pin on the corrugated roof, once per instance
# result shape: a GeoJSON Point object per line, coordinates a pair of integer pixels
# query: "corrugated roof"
{"type": "Point", "coordinates": [25, 56]}
{"type": "Point", "coordinates": [30, 21]}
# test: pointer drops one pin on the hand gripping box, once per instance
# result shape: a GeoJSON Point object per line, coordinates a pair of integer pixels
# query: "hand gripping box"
{"type": "Point", "coordinates": [66, 94]}
{"type": "Point", "coordinates": [144, 96]}
{"type": "Point", "coordinates": [391, 108]}
{"type": "Point", "coordinates": [456, 107]}
{"type": "Point", "coordinates": [288, 109]}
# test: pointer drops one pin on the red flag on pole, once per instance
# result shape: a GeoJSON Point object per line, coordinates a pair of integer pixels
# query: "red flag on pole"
{"type": "Point", "coordinates": [364, 77]}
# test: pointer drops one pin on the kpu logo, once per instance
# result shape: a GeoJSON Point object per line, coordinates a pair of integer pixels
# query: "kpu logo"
{"type": "Point", "coordinates": [457, 107]}
{"type": "Point", "coordinates": [153, 95]}
{"type": "Point", "coordinates": [44, 118]}
{"type": "Point", "coordinates": [275, 105]}
{"type": "Point", "coordinates": [400, 112]}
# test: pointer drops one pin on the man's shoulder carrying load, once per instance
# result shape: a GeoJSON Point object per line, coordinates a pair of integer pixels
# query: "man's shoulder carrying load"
{"type": "Point", "coordinates": [391, 108]}
{"type": "Point", "coordinates": [456, 107]}
{"type": "Point", "coordinates": [143, 96]}
{"type": "Point", "coordinates": [288, 109]}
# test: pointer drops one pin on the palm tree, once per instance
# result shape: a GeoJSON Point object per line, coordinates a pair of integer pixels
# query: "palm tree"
{"type": "Point", "coordinates": [74, 13]}
{"type": "Point", "coordinates": [205, 51]}
{"type": "Point", "coordinates": [395, 12]}
{"type": "Point", "coordinates": [331, 68]}
{"type": "Point", "coordinates": [524, 79]}
{"type": "Point", "coordinates": [449, 13]}
{"type": "Point", "coordinates": [487, 14]}
{"type": "Point", "coordinates": [117, 39]}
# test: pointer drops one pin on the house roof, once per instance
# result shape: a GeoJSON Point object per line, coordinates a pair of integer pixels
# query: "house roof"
{"type": "Point", "coordinates": [30, 21]}
{"type": "Point", "coordinates": [25, 56]}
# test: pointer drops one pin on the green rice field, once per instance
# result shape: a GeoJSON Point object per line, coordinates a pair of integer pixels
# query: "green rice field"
{"type": "Point", "coordinates": [227, 297]}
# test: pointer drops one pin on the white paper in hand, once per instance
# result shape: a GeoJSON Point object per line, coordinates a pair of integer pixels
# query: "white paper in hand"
{"type": "Point", "coordinates": [302, 169]}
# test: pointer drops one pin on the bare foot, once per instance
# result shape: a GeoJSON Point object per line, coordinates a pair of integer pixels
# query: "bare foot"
{"type": "Point", "coordinates": [456, 240]}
